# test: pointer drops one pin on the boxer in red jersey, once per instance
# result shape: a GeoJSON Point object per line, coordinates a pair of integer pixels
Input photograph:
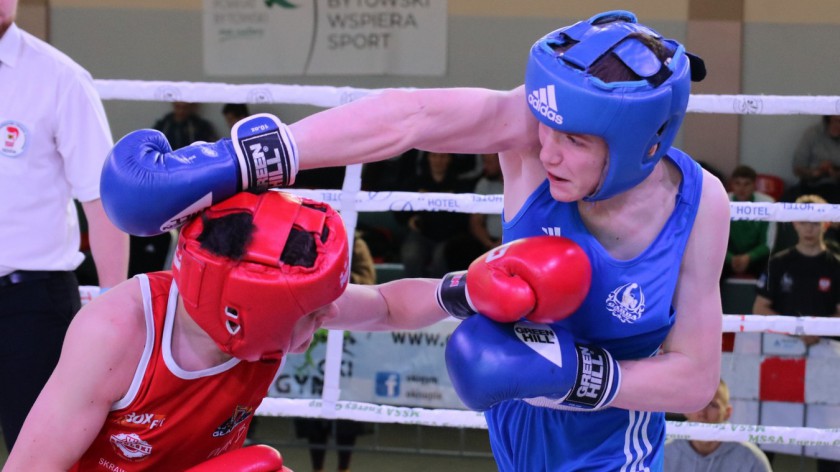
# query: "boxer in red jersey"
{"type": "Point", "coordinates": [165, 371]}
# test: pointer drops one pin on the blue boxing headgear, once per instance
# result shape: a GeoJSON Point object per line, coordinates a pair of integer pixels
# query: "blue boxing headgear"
{"type": "Point", "coordinates": [630, 116]}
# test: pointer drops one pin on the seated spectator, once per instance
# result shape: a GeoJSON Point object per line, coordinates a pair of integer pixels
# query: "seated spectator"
{"type": "Point", "coordinates": [324, 178]}
{"type": "Point", "coordinates": [234, 112]}
{"type": "Point", "coordinates": [803, 280]}
{"type": "Point", "coordinates": [390, 174]}
{"type": "Point", "coordinates": [749, 241]}
{"type": "Point", "coordinates": [690, 455]}
{"type": "Point", "coordinates": [467, 167]}
{"type": "Point", "coordinates": [816, 161]}
{"type": "Point", "coordinates": [425, 250]}
{"type": "Point", "coordinates": [484, 230]}
{"type": "Point", "coordinates": [487, 229]}
{"type": "Point", "coordinates": [184, 126]}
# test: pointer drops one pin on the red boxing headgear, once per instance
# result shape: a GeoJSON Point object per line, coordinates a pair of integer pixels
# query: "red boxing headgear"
{"type": "Point", "coordinates": [249, 306]}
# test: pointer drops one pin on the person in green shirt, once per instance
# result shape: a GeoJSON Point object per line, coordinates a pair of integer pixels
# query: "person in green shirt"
{"type": "Point", "coordinates": [749, 241]}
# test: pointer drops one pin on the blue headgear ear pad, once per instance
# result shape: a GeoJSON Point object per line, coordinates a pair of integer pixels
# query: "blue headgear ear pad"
{"type": "Point", "coordinates": [630, 116]}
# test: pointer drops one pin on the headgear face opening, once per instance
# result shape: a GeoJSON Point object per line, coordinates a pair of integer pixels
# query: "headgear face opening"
{"type": "Point", "coordinates": [631, 116]}
{"type": "Point", "coordinates": [250, 306]}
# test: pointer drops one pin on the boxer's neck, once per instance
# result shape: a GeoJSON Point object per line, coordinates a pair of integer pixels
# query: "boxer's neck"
{"type": "Point", "coordinates": [192, 348]}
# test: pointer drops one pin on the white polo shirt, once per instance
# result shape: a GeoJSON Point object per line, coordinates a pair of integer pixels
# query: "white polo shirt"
{"type": "Point", "coordinates": [54, 137]}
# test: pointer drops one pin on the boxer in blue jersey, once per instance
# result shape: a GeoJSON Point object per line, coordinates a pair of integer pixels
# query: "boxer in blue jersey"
{"type": "Point", "coordinates": [586, 151]}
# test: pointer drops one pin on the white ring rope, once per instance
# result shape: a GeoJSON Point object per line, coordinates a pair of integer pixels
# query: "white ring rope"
{"type": "Point", "coordinates": [328, 96]}
{"type": "Point", "coordinates": [351, 201]}
{"type": "Point", "coordinates": [746, 323]}
{"type": "Point", "coordinates": [781, 324]}
{"type": "Point", "coordinates": [476, 203]}
{"type": "Point", "coordinates": [359, 411]}
{"type": "Point", "coordinates": [205, 92]}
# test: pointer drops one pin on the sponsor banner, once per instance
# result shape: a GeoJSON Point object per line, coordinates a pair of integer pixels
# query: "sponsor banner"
{"type": "Point", "coordinates": [325, 37]}
{"type": "Point", "coordinates": [395, 368]}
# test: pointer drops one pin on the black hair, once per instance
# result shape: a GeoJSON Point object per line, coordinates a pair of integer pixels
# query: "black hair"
{"type": "Point", "coordinates": [744, 172]}
{"type": "Point", "coordinates": [610, 68]}
{"type": "Point", "coordinates": [229, 235]}
{"type": "Point", "coordinates": [300, 249]}
{"type": "Point", "coordinates": [237, 109]}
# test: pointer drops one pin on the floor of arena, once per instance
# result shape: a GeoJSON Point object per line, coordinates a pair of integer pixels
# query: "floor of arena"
{"type": "Point", "coordinates": [414, 449]}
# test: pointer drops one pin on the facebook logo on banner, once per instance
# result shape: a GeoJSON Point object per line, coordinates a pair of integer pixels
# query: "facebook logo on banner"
{"type": "Point", "coordinates": [387, 384]}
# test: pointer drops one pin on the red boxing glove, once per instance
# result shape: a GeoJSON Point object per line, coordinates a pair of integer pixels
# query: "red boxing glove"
{"type": "Point", "coordinates": [543, 278]}
{"type": "Point", "coordinates": [257, 458]}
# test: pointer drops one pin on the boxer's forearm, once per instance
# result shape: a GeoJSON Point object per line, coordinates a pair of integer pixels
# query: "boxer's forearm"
{"type": "Point", "coordinates": [401, 304]}
{"type": "Point", "coordinates": [458, 120]}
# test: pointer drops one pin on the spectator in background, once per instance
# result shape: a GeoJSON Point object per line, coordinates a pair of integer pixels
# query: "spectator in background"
{"type": "Point", "coordinates": [749, 241]}
{"type": "Point", "coordinates": [803, 280]}
{"type": "Point", "coordinates": [184, 126]}
{"type": "Point", "coordinates": [487, 229]}
{"type": "Point", "coordinates": [390, 174]}
{"type": "Point", "coordinates": [816, 161]}
{"type": "Point", "coordinates": [467, 167]}
{"type": "Point", "coordinates": [324, 178]}
{"type": "Point", "coordinates": [683, 455]}
{"type": "Point", "coordinates": [362, 268]}
{"type": "Point", "coordinates": [425, 250]}
{"type": "Point", "coordinates": [54, 137]}
{"type": "Point", "coordinates": [234, 112]}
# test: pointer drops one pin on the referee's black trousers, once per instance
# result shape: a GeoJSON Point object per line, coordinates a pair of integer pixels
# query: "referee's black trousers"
{"type": "Point", "coordinates": [34, 316]}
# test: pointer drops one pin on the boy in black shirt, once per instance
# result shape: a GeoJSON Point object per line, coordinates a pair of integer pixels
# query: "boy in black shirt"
{"type": "Point", "coordinates": [803, 280]}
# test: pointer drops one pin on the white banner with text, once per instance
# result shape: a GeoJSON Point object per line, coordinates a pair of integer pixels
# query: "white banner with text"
{"type": "Point", "coordinates": [325, 37]}
{"type": "Point", "coordinates": [395, 368]}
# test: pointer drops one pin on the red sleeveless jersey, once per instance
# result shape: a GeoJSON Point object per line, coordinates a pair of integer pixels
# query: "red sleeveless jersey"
{"type": "Point", "coordinates": [172, 419]}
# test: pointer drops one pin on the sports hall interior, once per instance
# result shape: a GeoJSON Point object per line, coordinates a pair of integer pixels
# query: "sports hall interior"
{"type": "Point", "coordinates": [752, 47]}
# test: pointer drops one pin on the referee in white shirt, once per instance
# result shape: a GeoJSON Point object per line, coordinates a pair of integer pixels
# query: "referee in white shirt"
{"type": "Point", "coordinates": [54, 137]}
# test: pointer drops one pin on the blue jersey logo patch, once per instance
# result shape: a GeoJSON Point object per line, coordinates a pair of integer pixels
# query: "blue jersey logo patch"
{"type": "Point", "coordinates": [627, 303]}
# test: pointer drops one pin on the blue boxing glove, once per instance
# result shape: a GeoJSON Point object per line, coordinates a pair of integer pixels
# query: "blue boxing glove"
{"type": "Point", "coordinates": [490, 362]}
{"type": "Point", "coordinates": [148, 189]}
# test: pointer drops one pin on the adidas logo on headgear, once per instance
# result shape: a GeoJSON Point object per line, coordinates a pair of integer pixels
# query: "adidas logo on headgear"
{"type": "Point", "coordinates": [544, 102]}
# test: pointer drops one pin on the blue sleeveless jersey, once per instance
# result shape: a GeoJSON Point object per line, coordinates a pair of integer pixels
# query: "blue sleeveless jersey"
{"type": "Point", "coordinates": [629, 312]}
